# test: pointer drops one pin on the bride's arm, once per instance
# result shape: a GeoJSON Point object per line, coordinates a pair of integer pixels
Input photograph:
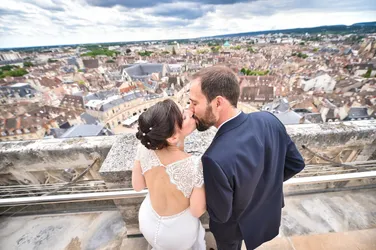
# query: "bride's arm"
{"type": "Point", "coordinates": [198, 202]}
{"type": "Point", "coordinates": [138, 180]}
{"type": "Point", "coordinates": [198, 197]}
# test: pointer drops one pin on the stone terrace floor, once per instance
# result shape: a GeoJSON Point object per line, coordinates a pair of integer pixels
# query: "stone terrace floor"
{"type": "Point", "coordinates": [324, 221]}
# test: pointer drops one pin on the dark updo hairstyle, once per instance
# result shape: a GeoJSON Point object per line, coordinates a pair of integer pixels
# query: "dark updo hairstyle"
{"type": "Point", "coordinates": [158, 123]}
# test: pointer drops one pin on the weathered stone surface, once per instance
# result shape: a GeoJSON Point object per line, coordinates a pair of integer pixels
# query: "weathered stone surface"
{"type": "Point", "coordinates": [120, 159]}
{"type": "Point", "coordinates": [101, 230]}
{"type": "Point", "coordinates": [53, 154]}
{"type": "Point", "coordinates": [313, 213]}
{"type": "Point", "coordinates": [119, 162]}
{"type": "Point", "coordinates": [104, 205]}
{"type": "Point", "coordinates": [329, 212]}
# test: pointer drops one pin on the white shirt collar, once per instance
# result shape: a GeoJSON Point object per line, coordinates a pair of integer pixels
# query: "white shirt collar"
{"type": "Point", "coordinates": [229, 119]}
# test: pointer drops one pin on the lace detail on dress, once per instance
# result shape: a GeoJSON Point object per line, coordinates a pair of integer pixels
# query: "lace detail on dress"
{"type": "Point", "coordinates": [185, 174]}
{"type": "Point", "coordinates": [147, 158]}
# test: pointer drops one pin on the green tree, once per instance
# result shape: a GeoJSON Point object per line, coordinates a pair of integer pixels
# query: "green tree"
{"type": "Point", "coordinates": [250, 49]}
{"type": "Point", "coordinates": [8, 67]}
{"type": "Point", "coordinates": [236, 47]}
{"type": "Point", "coordinates": [368, 73]}
{"type": "Point", "coordinates": [128, 51]}
{"type": "Point", "coordinates": [145, 53]}
{"type": "Point", "coordinates": [27, 64]}
{"type": "Point", "coordinates": [14, 72]}
{"type": "Point", "coordinates": [249, 72]}
{"type": "Point", "coordinates": [99, 52]}
{"type": "Point", "coordinates": [215, 49]}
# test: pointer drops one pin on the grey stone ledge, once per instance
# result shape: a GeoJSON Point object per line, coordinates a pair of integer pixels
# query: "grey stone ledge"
{"type": "Point", "coordinates": [119, 161]}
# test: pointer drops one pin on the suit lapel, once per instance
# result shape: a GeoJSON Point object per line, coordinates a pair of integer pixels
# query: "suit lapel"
{"type": "Point", "coordinates": [231, 124]}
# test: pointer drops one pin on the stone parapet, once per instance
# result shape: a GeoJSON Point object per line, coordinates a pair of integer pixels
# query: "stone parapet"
{"type": "Point", "coordinates": [341, 142]}
{"type": "Point", "coordinates": [53, 154]}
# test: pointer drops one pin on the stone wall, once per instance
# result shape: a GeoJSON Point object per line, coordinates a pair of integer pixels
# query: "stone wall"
{"type": "Point", "coordinates": [341, 142]}
{"type": "Point", "coordinates": [21, 159]}
{"type": "Point", "coordinates": [336, 141]}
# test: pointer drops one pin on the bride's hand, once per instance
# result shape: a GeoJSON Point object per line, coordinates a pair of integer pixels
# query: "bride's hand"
{"type": "Point", "coordinates": [189, 123]}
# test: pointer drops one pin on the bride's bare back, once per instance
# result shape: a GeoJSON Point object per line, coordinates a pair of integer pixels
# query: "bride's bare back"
{"type": "Point", "coordinates": [174, 180]}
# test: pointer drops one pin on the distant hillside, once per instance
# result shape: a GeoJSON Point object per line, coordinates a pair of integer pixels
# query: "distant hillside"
{"type": "Point", "coordinates": [369, 27]}
{"type": "Point", "coordinates": [365, 24]}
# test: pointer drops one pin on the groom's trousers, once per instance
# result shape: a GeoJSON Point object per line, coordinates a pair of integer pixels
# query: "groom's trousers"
{"type": "Point", "coordinates": [229, 245]}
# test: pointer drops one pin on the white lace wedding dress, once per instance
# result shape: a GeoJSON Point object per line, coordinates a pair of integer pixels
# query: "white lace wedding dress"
{"type": "Point", "coordinates": [181, 231]}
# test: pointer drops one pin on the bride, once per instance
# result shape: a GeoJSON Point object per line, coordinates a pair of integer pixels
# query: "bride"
{"type": "Point", "coordinates": [168, 216]}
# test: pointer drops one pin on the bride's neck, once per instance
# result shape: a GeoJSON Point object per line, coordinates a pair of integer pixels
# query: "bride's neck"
{"type": "Point", "coordinates": [171, 148]}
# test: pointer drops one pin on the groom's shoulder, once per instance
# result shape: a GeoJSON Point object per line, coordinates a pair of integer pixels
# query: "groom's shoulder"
{"type": "Point", "coordinates": [263, 117]}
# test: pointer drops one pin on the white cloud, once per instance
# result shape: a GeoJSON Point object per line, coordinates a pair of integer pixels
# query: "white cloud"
{"type": "Point", "coordinates": [50, 22]}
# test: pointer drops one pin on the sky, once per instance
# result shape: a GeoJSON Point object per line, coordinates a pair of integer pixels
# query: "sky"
{"type": "Point", "coordinates": [26, 23]}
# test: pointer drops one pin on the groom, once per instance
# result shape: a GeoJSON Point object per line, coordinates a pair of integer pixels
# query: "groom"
{"type": "Point", "coordinates": [246, 164]}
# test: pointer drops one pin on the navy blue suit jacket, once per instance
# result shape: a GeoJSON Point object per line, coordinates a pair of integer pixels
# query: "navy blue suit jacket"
{"type": "Point", "coordinates": [244, 170]}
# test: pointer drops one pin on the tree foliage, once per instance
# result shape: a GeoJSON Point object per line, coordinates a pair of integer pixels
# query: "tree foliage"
{"type": "Point", "coordinates": [250, 49]}
{"type": "Point", "coordinates": [368, 73]}
{"type": "Point", "coordinates": [145, 53]}
{"type": "Point", "coordinates": [249, 72]}
{"type": "Point", "coordinates": [28, 64]}
{"type": "Point", "coordinates": [215, 49]}
{"type": "Point", "coordinates": [204, 51]}
{"type": "Point", "coordinates": [50, 60]}
{"type": "Point", "coordinates": [101, 52]}
{"type": "Point", "coordinates": [236, 47]}
{"type": "Point", "coordinates": [12, 70]}
{"type": "Point", "coordinates": [300, 54]}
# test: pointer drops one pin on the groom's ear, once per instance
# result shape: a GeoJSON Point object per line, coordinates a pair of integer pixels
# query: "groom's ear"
{"type": "Point", "coordinates": [219, 101]}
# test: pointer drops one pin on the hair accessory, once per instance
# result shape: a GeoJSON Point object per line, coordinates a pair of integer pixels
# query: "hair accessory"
{"type": "Point", "coordinates": [150, 128]}
{"type": "Point", "coordinates": [148, 143]}
{"type": "Point", "coordinates": [143, 134]}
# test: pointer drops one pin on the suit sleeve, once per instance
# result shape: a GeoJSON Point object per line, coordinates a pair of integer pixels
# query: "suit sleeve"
{"type": "Point", "coordinates": [219, 193]}
{"type": "Point", "coordinates": [294, 162]}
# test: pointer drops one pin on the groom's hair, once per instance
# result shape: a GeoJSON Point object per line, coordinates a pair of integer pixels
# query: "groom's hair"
{"type": "Point", "coordinates": [219, 81]}
{"type": "Point", "coordinates": [159, 123]}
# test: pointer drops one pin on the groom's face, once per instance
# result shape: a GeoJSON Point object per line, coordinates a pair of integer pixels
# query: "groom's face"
{"type": "Point", "coordinates": [202, 110]}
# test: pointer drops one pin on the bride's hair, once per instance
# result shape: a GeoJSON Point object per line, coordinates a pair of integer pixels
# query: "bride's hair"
{"type": "Point", "coordinates": [158, 123]}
